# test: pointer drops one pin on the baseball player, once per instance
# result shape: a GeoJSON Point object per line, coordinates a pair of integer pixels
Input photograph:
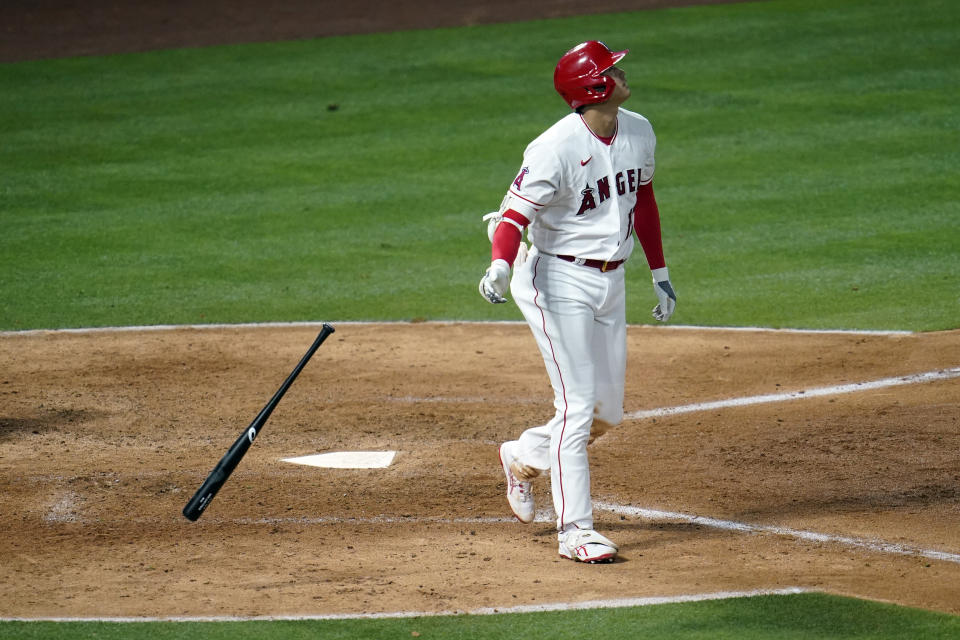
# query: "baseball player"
{"type": "Point", "coordinates": [583, 194]}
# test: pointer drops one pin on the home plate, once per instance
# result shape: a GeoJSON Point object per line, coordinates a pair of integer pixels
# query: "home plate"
{"type": "Point", "coordinates": [347, 459]}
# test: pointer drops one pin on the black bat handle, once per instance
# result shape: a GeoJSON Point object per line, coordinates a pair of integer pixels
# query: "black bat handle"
{"type": "Point", "coordinates": [194, 508]}
{"type": "Point", "coordinates": [270, 406]}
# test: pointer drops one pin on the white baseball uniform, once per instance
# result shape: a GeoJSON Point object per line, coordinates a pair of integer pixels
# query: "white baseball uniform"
{"type": "Point", "coordinates": [579, 192]}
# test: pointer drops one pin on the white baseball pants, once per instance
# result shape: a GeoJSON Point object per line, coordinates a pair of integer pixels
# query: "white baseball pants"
{"type": "Point", "coordinates": [578, 316]}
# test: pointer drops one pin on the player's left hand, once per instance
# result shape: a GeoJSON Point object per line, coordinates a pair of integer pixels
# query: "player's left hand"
{"type": "Point", "coordinates": [495, 282]}
{"type": "Point", "coordinates": [665, 295]}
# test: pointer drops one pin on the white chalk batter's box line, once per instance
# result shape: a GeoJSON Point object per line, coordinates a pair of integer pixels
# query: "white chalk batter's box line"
{"type": "Point", "coordinates": [868, 544]}
{"type": "Point", "coordinates": [817, 392]}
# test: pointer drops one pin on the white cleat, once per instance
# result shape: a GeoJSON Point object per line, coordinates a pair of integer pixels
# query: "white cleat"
{"type": "Point", "coordinates": [586, 545]}
{"type": "Point", "coordinates": [519, 492]}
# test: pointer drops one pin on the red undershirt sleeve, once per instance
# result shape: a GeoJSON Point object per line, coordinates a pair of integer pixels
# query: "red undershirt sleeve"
{"type": "Point", "coordinates": [506, 239]}
{"type": "Point", "coordinates": [646, 222]}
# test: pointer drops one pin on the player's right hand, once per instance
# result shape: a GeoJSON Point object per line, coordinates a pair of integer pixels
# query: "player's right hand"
{"type": "Point", "coordinates": [495, 282]}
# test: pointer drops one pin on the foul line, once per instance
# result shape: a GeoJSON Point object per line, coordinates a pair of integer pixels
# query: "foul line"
{"type": "Point", "coordinates": [929, 376]}
{"type": "Point", "coordinates": [879, 546]}
{"type": "Point", "coordinates": [532, 608]}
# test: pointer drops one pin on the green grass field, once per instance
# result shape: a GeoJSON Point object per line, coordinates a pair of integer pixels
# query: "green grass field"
{"type": "Point", "coordinates": [807, 177]}
{"type": "Point", "coordinates": [784, 617]}
{"type": "Point", "coordinates": [806, 170]}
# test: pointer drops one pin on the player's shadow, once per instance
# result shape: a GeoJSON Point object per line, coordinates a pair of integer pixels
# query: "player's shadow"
{"type": "Point", "coordinates": [945, 491]}
{"type": "Point", "coordinates": [59, 420]}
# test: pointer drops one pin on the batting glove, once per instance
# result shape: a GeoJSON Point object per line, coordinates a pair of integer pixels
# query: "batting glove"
{"type": "Point", "coordinates": [665, 295]}
{"type": "Point", "coordinates": [495, 282]}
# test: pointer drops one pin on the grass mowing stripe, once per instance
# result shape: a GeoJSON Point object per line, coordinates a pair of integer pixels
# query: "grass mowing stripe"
{"type": "Point", "coordinates": [804, 170]}
{"type": "Point", "coordinates": [807, 616]}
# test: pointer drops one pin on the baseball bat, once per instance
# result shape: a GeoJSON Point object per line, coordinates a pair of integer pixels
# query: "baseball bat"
{"type": "Point", "coordinates": [201, 499]}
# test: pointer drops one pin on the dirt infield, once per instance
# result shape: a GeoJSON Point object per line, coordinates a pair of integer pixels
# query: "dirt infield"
{"type": "Point", "coordinates": [57, 28]}
{"type": "Point", "coordinates": [104, 437]}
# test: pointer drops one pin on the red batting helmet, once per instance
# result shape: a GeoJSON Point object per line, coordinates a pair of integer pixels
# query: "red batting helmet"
{"type": "Point", "coordinates": [579, 74]}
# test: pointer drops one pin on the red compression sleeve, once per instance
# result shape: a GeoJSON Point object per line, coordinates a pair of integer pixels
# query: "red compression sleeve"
{"type": "Point", "coordinates": [506, 239]}
{"type": "Point", "coordinates": [646, 221]}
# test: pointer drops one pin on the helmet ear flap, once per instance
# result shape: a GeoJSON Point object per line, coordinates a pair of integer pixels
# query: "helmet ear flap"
{"type": "Point", "coordinates": [602, 91]}
{"type": "Point", "coordinates": [578, 77]}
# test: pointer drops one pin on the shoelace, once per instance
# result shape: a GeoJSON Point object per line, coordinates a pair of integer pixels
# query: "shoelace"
{"type": "Point", "coordinates": [521, 488]}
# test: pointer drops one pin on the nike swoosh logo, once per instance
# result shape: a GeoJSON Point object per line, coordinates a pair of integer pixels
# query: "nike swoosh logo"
{"type": "Point", "coordinates": [583, 163]}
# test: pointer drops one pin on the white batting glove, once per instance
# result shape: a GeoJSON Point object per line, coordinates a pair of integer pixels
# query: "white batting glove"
{"type": "Point", "coordinates": [665, 295]}
{"type": "Point", "coordinates": [495, 282]}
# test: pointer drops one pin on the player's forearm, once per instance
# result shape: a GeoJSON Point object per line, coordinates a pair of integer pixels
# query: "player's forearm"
{"type": "Point", "coordinates": [507, 237]}
{"type": "Point", "coordinates": [646, 221]}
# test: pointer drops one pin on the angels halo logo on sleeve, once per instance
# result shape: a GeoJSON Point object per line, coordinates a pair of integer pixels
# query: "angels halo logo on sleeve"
{"type": "Point", "coordinates": [519, 180]}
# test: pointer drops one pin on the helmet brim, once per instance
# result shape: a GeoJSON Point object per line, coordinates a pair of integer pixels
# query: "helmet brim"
{"type": "Point", "coordinates": [615, 57]}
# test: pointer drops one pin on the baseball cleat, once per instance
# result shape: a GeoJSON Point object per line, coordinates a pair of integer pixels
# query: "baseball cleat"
{"type": "Point", "coordinates": [586, 545]}
{"type": "Point", "coordinates": [519, 492]}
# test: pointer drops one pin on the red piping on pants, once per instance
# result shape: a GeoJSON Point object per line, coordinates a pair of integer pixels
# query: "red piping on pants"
{"type": "Point", "coordinates": [563, 388]}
